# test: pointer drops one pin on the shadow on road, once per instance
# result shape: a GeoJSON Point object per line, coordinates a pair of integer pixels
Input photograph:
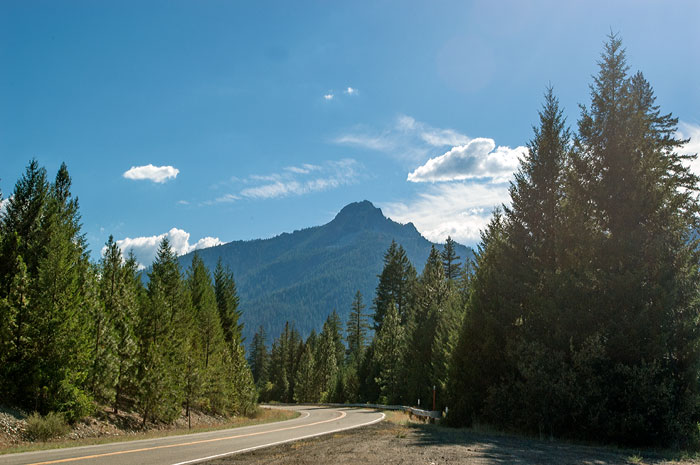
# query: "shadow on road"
{"type": "Point", "coordinates": [496, 449]}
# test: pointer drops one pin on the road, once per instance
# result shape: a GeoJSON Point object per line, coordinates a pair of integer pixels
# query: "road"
{"type": "Point", "coordinates": [200, 447]}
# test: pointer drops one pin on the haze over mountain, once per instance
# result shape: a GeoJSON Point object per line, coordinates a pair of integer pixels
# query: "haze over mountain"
{"type": "Point", "coordinates": [302, 276]}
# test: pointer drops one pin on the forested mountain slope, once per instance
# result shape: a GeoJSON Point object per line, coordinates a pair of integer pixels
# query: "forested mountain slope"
{"type": "Point", "coordinates": [302, 276]}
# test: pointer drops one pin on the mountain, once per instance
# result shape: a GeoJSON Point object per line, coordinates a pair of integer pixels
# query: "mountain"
{"type": "Point", "coordinates": [303, 276]}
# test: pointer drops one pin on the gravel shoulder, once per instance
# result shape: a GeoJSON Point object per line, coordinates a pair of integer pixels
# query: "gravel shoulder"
{"type": "Point", "coordinates": [398, 441]}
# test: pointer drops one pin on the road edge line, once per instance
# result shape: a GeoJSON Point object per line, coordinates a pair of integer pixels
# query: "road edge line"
{"type": "Point", "coordinates": [249, 449]}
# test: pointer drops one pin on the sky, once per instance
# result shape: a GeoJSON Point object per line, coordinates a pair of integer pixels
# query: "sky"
{"type": "Point", "coordinates": [214, 121]}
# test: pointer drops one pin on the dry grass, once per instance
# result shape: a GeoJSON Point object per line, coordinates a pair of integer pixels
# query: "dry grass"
{"type": "Point", "coordinates": [261, 416]}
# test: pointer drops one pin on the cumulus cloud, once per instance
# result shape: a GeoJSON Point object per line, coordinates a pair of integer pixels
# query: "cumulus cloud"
{"type": "Point", "coordinates": [146, 247]}
{"type": "Point", "coordinates": [328, 96]}
{"type": "Point", "coordinates": [406, 139]}
{"type": "Point", "coordinates": [692, 132]}
{"type": "Point", "coordinates": [159, 174]}
{"type": "Point", "coordinates": [350, 91]}
{"type": "Point", "coordinates": [478, 159]}
{"type": "Point", "coordinates": [460, 210]}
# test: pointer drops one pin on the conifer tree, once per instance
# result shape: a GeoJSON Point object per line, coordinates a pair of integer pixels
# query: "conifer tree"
{"type": "Point", "coordinates": [326, 365]}
{"type": "Point", "coordinates": [431, 293]}
{"type": "Point", "coordinates": [395, 283]}
{"type": "Point", "coordinates": [60, 306]}
{"type": "Point", "coordinates": [124, 319]}
{"type": "Point", "coordinates": [21, 225]}
{"type": "Point", "coordinates": [450, 261]}
{"type": "Point", "coordinates": [164, 325]}
{"type": "Point", "coordinates": [356, 330]}
{"type": "Point", "coordinates": [259, 358]}
{"type": "Point", "coordinates": [227, 302]}
{"type": "Point", "coordinates": [306, 388]}
{"type": "Point", "coordinates": [390, 346]}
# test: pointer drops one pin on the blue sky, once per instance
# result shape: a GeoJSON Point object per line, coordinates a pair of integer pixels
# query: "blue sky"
{"type": "Point", "coordinates": [247, 119]}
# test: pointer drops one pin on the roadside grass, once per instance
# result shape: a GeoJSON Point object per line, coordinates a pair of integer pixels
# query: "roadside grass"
{"type": "Point", "coordinates": [263, 415]}
{"type": "Point", "coordinates": [402, 424]}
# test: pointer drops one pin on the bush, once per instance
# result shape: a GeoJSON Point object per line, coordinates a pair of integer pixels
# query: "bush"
{"type": "Point", "coordinates": [44, 428]}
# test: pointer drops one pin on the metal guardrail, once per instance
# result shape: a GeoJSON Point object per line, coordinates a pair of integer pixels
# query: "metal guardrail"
{"type": "Point", "coordinates": [432, 415]}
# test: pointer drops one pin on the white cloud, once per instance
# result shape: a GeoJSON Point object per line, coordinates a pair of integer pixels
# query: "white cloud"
{"type": "Point", "coordinates": [295, 181]}
{"type": "Point", "coordinates": [228, 198]}
{"type": "Point", "coordinates": [407, 139]}
{"type": "Point", "coordinates": [478, 159]}
{"type": "Point", "coordinates": [306, 168]}
{"type": "Point", "coordinates": [692, 132]}
{"type": "Point", "coordinates": [158, 174]}
{"type": "Point", "coordinates": [460, 210]}
{"type": "Point", "coordinates": [328, 96]}
{"type": "Point", "coordinates": [146, 247]}
{"type": "Point", "coordinates": [3, 205]}
{"type": "Point", "coordinates": [350, 91]}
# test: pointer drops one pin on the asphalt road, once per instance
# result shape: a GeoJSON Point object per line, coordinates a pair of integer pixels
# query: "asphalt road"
{"type": "Point", "coordinates": [200, 447]}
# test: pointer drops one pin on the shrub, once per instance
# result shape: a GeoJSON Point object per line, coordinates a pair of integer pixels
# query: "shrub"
{"type": "Point", "coordinates": [44, 428]}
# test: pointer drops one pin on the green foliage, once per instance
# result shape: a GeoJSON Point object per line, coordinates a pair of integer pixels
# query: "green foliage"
{"type": "Point", "coordinates": [259, 360]}
{"type": "Point", "coordinates": [395, 285]}
{"type": "Point", "coordinates": [301, 276]}
{"type": "Point", "coordinates": [390, 346]}
{"type": "Point", "coordinates": [227, 302]}
{"type": "Point", "coordinates": [581, 307]}
{"type": "Point", "coordinates": [356, 329]}
{"type": "Point", "coordinates": [47, 427]}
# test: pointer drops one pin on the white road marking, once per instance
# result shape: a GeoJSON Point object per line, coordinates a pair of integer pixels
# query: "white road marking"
{"type": "Point", "coordinates": [248, 449]}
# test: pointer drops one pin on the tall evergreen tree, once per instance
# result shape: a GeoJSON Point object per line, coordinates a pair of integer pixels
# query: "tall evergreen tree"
{"type": "Point", "coordinates": [395, 283]}
{"type": "Point", "coordinates": [227, 302]}
{"type": "Point", "coordinates": [259, 358]}
{"type": "Point", "coordinates": [431, 294]}
{"type": "Point", "coordinates": [450, 261]}
{"type": "Point", "coordinates": [164, 325]}
{"type": "Point", "coordinates": [326, 364]}
{"type": "Point", "coordinates": [356, 330]}
{"type": "Point", "coordinates": [390, 346]}
{"type": "Point", "coordinates": [305, 378]}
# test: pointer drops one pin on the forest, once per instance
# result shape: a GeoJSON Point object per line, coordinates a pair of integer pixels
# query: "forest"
{"type": "Point", "coordinates": [578, 317]}
{"type": "Point", "coordinates": [76, 334]}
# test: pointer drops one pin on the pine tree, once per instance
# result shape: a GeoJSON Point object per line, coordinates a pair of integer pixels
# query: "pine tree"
{"type": "Point", "coordinates": [259, 358]}
{"type": "Point", "coordinates": [431, 293]}
{"type": "Point", "coordinates": [306, 388]}
{"type": "Point", "coordinates": [124, 319]}
{"type": "Point", "coordinates": [356, 330]}
{"type": "Point", "coordinates": [326, 364]}
{"type": "Point", "coordinates": [335, 328]}
{"type": "Point", "coordinates": [390, 346]}
{"type": "Point", "coordinates": [395, 283]}
{"type": "Point", "coordinates": [165, 323]}
{"type": "Point", "coordinates": [21, 225]}
{"type": "Point", "coordinates": [450, 261]}
{"type": "Point", "coordinates": [227, 302]}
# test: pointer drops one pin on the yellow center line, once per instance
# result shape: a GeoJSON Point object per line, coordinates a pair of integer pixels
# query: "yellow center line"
{"type": "Point", "coordinates": [203, 441]}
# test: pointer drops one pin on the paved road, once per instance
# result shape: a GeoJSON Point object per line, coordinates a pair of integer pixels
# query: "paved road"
{"type": "Point", "coordinates": [200, 447]}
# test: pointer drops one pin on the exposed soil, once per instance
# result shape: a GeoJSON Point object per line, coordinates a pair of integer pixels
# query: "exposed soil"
{"type": "Point", "coordinates": [388, 443]}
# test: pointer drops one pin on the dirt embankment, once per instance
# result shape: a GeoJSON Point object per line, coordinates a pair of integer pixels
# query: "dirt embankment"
{"type": "Point", "coordinates": [391, 442]}
{"type": "Point", "coordinates": [105, 426]}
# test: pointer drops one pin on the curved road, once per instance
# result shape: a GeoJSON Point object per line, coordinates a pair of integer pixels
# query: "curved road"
{"type": "Point", "coordinates": [200, 447]}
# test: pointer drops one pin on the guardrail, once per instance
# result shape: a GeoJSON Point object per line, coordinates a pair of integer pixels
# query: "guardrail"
{"type": "Point", "coordinates": [432, 415]}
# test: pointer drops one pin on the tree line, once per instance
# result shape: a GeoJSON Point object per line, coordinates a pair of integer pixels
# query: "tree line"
{"type": "Point", "coordinates": [580, 315]}
{"type": "Point", "coordinates": [75, 334]}
{"type": "Point", "coordinates": [395, 354]}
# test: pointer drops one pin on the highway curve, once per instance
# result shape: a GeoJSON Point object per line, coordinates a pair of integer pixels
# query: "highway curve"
{"type": "Point", "coordinates": [200, 447]}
